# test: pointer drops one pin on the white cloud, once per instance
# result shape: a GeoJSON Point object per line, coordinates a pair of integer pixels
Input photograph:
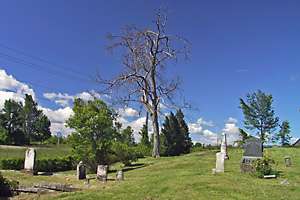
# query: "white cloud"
{"type": "Point", "coordinates": [65, 100]}
{"type": "Point", "coordinates": [232, 130]}
{"type": "Point", "coordinates": [128, 112]}
{"type": "Point", "coordinates": [11, 88]}
{"type": "Point", "coordinates": [200, 130]}
{"type": "Point", "coordinates": [58, 118]}
{"type": "Point", "coordinates": [8, 82]}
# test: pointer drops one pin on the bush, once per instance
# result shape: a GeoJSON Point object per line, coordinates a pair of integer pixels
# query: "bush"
{"type": "Point", "coordinates": [124, 153]}
{"type": "Point", "coordinates": [264, 166]}
{"type": "Point", "coordinates": [6, 187]}
{"type": "Point", "coordinates": [4, 139]}
{"type": "Point", "coordinates": [56, 165]}
{"type": "Point", "coordinates": [142, 150]}
{"type": "Point", "coordinates": [43, 165]}
{"type": "Point", "coordinates": [12, 163]}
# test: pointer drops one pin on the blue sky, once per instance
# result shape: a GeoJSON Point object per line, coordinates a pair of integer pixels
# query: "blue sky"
{"type": "Point", "coordinates": [237, 47]}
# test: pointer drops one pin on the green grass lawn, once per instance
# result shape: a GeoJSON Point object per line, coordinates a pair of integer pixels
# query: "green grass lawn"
{"type": "Point", "coordinates": [182, 177]}
{"type": "Point", "coordinates": [49, 151]}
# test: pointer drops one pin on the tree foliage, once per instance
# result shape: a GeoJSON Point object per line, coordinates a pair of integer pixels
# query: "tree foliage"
{"type": "Point", "coordinates": [283, 136]}
{"type": "Point", "coordinates": [175, 135]}
{"type": "Point", "coordinates": [127, 136]}
{"type": "Point", "coordinates": [145, 136]}
{"type": "Point", "coordinates": [94, 131]}
{"type": "Point", "coordinates": [259, 114]}
{"type": "Point", "coordinates": [21, 124]}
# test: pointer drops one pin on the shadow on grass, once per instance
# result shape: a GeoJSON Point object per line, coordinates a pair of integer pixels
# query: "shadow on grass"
{"type": "Point", "coordinates": [132, 167]}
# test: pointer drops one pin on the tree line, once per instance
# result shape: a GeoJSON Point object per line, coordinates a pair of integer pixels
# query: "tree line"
{"type": "Point", "coordinates": [23, 123]}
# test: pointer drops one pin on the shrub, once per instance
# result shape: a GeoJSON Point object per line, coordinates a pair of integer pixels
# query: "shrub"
{"type": "Point", "coordinates": [142, 150]}
{"type": "Point", "coordinates": [43, 165]}
{"type": "Point", "coordinates": [124, 153]}
{"type": "Point", "coordinates": [264, 166]}
{"type": "Point", "coordinates": [55, 165]}
{"type": "Point", "coordinates": [6, 187]}
{"type": "Point", "coordinates": [12, 163]}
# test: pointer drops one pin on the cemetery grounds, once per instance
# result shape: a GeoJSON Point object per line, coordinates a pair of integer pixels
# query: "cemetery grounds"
{"type": "Point", "coordinates": [181, 177]}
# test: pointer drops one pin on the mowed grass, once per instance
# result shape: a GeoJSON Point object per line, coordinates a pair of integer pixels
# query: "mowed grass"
{"type": "Point", "coordinates": [43, 151]}
{"type": "Point", "coordinates": [182, 177]}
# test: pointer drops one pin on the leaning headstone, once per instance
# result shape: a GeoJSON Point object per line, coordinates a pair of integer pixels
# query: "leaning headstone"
{"type": "Point", "coordinates": [287, 161]}
{"type": "Point", "coordinates": [29, 164]}
{"type": "Point", "coordinates": [253, 150]}
{"type": "Point", "coordinates": [81, 171]}
{"type": "Point", "coordinates": [220, 158]}
{"type": "Point", "coordinates": [224, 146]}
{"type": "Point", "coordinates": [102, 172]}
{"type": "Point", "coordinates": [120, 175]}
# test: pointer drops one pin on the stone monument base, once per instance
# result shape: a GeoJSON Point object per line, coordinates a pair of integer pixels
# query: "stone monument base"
{"type": "Point", "coordinates": [246, 164]}
{"type": "Point", "coordinates": [30, 172]}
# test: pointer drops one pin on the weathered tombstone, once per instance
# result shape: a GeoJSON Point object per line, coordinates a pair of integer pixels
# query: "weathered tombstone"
{"type": "Point", "coordinates": [287, 161]}
{"type": "Point", "coordinates": [220, 158]}
{"type": "Point", "coordinates": [81, 171]}
{"type": "Point", "coordinates": [224, 146]}
{"type": "Point", "coordinates": [120, 175]}
{"type": "Point", "coordinates": [253, 150]}
{"type": "Point", "coordinates": [102, 172]}
{"type": "Point", "coordinates": [29, 164]}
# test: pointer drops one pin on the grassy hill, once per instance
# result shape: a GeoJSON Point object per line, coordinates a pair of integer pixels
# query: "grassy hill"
{"type": "Point", "coordinates": [182, 177]}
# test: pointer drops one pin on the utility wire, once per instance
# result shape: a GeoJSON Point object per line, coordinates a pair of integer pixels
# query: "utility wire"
{"type": "Point", "coordinates": [39, 67]}
{"type": "Point", "coordinates": [57, 66]}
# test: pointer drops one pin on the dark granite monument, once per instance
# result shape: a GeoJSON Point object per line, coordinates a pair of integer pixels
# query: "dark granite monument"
{"type": "Point", "coordinates": [81, 171]}
{"type": "Point", "coordinates": [253, 150]}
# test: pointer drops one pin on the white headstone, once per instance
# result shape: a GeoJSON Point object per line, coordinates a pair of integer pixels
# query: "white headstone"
{"type": "Point", "coordinates": [220, 158]}
{"type": "Point", "coordinates": [120, 175]}
{"type": "Point", "coordinates": [29, 164]}
{"type": "Point", "coordinates": [224, 145]}
{"type": "Point", "coordinates": [102, 172]}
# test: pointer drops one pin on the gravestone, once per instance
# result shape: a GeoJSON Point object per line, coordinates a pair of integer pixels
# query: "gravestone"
{"type": "Point", "coordinates": [81, 171]}
{"type": "Point", "coordinates": [102, 172]}
{"type": "Point", "coordinates": [224, 146]}
{"type": "Point", "coordinates": [29, 163]}
{"type": "Point", "coordinates": [120, 175]}
{"type": "Point", "coordinates": [288, 161]}
{"type": "Point", "coordinates": [253, 150]}
{"type": "Point", "coordinates": [220, 159]}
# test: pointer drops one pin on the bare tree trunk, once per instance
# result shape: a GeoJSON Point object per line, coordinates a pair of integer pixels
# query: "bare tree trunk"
{"type": "Point", "coordinates": [156, 139]}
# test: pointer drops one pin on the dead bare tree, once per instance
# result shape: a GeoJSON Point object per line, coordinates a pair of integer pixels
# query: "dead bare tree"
{"type": "Point", "coordinates": [145, 53]}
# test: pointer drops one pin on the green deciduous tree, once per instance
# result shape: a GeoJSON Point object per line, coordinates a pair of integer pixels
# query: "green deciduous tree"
{"type": "Point", "coordinates": [94, 131]}
{"type": "Point", "coordinates": [283, 136]}
{"type": "Point", "coordinates": [259, 114]}
{"type": "Point", "coordinates": [23, 124]}
{"type": "Point", "coordinates": [11, 121]}
{"type": "Point", "coordinates": [127, 136]}
{"type": "Point", "coordinates": [36, 125]}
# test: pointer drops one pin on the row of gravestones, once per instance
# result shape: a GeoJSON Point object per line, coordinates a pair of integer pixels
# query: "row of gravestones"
{"type": "Point", "coordinates": [102, 170]}
{"type": "Point", "coordinates": [253, 150]}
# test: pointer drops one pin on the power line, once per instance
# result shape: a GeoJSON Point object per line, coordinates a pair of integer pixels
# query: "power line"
{"type": "Point", "coordinates": [57, 66]}
{"type": "Point", "coordinates": [38, 67]}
